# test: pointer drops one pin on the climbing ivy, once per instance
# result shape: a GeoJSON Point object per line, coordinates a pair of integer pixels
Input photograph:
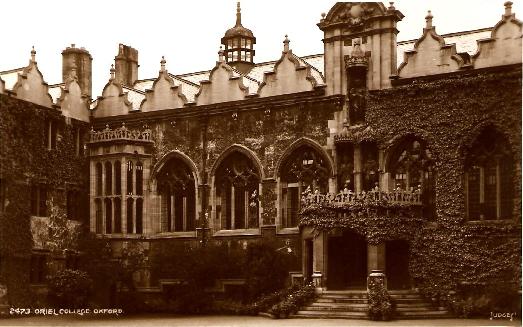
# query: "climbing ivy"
{"type": "Point", "coordinates": [25, 159]}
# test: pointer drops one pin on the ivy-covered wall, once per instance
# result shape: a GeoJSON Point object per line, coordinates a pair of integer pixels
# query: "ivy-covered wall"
{"type": "Point", "coordinates": [448, 113]}
{"type": "Point", "coordinates": [25, 159]}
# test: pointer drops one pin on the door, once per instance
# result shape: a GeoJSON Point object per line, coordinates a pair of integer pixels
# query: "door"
{"type": "Point", "coordinates": [397, 265]}
{"type": "Point", "coordinates": [347, 261]}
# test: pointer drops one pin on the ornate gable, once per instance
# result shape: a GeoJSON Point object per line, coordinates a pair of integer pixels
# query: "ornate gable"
{"type": "Point", "coordinates": [72, 102]}
{"type": "Point", "coordinates": [504, 45]}
{"type": "Point", "coordinates": [31, 85]}
{"type": "Point", "coordinates": [351, 14]}
{"type": "Point", "coordinates": [163, 94]}
{"type": "Point", "coordinates": [222, 85]}
{"type": "Point", "coordinates": [113, 101]}
{"type": "Point", "coordinates": [287, 77]}
{"type": "Point", "coordinates": [430, 55]}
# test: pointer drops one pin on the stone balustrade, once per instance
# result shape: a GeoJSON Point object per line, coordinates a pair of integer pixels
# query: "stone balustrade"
{"type": "Point", "coordinates": [398, 196]}
{"type": "Point", "coordinates": [120, 133]}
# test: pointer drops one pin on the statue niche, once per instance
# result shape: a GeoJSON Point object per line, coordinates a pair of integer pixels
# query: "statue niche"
{"type": "Point", "coordinates": [356, 65]}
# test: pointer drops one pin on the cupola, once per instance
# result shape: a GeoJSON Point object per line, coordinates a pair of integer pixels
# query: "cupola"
{"type": "Point", "coordinates": [239, 45]}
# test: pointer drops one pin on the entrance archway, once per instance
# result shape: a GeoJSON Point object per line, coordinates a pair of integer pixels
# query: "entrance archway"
{"type": "Point", "coordinates": [397, 265]}
{"type": "Point", "coordinates": [347, 261]}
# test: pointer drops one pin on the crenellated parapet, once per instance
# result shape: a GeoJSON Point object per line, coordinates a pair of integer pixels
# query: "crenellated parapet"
{"type": "Point", "coordinates": [430, 55]}
{"type": "Point", "coordinates": [288, 76]}
{"type": "Point", "coordinates": [114, 101]}
{"type": "Point", "coordinates": [164, 94]}
{"type": "Point", "coordinates": [224, 85]}
{"type": "Point", "coordinates": [504, 45]}
{"type": "Point", "coordinates": [31, 86]}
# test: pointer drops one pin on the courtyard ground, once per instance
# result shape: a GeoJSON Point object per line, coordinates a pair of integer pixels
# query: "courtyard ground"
{"type": "Point", "coordinates": [169, 320]}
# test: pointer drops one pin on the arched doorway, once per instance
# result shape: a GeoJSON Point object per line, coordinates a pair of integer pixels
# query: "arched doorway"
{"type": "Point", "coordinates": [397, 264]}
{"type": "Point", "coordinates": [347, 261]}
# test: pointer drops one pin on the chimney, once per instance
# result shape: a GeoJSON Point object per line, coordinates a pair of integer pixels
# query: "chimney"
{"type": "Point", "coordinates": [81, 60]}
{"type": "Point", "coordinates": [126, 65]}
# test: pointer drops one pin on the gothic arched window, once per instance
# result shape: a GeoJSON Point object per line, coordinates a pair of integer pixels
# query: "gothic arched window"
{"type": "Point", "coordinates": [139, 178]}
{"type": "Point", "coordinates": [177, 190]}
{"type": "Point", "coordinates": [130, 168]}
{"type": "Point", "coordinates": [117, 178]}
{"type": "Point", "coordinates": [139, 216]}
{"type": "Point", "coordinates": [488, 178]}
{"type": "Point", "coordinates": [117, 215]}
{"type": "Point", "coordinates": [130, 218]}
{"type": "Point", "coordinates": [411, 168]}
{"type": "Point", "coordinates": [303, 169]}
{"type": "Point", "coordinates": [98, 215]}
{"type": "Point", "coordinates": [237, 186]}
{"type": "Point", "coordinates": [108, 178]}
{"type": "Point", "coordinates": [99, 173]}
{"type": "Point", "coordinates": [108, 216]}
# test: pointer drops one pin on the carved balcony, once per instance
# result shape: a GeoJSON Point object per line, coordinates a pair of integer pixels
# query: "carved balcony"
{"type": "Point", "coordinates": [120, 134]}
{"type": "Point", "coordinates": [379, 215]}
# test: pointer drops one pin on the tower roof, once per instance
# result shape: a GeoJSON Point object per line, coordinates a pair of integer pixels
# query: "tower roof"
{"type": "Point", "coordinates": [238, 29]}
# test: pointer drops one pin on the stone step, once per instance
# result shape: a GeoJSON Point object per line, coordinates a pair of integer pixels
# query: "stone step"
{"type": "Point", "coordinates": [342, 300]}
{"type": "Point", "coordinates": [405, 296]}
{"type": "Point", "coordinates": [345, 293]}
{"type": "Point", "coordinates": [339, 309]}
{"type": "Point", "coordinates": [338, 305]}
{"type": "Point", "coordinates": [341, 296]}
{"type": "Point", "coordinates": [329, 314]}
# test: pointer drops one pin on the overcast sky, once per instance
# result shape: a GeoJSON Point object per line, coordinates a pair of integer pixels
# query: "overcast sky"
{"type": "Point", "coordinates": [188, 33]}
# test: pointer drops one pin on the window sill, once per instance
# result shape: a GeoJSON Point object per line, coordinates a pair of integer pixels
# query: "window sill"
{"type": "Point", "coordinates": [238, 232]}
{"type": "Point", "coordinates": [289, 231]}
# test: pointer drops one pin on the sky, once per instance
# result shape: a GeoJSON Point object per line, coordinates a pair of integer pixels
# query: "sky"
{"type": "Point", "coordinates": [188, 33]}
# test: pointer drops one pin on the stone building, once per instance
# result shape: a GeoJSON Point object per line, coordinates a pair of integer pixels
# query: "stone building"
{"type": "Point", "coordinates": [372, 156]}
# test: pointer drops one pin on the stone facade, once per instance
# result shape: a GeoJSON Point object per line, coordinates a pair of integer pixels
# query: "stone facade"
{"type": "Point", "coordinates": [233, 151]}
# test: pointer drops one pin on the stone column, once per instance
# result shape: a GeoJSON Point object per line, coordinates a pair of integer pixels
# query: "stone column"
{"type": "Point", "coordinates": [319, 264]}
{"type": "Point", "coordinates": [375, 257]}
{"type": "Point", "coordinates": [358, 181]}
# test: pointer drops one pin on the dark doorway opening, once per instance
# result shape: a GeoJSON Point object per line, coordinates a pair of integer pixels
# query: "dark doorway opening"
{"type": "Point", "coordinates": [309, 255]}
{"type": "Point", "coordinates": [397, 265]}
{"type": "Point", "coordinates": [347, 266]}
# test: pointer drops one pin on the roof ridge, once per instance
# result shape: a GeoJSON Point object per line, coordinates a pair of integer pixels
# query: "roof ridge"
{"type": "Point", "coordinates": [132, 89]}
{"type": "Point", "coordinates": [184, 80]}
{"type": "Point", "coordinates": [12, 70]}
{"type": "Point", "coordinates": [484, 29]}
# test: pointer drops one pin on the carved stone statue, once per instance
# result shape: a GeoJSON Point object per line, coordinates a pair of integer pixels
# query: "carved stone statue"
{"type": "Point", "coordinates": [357, 105]}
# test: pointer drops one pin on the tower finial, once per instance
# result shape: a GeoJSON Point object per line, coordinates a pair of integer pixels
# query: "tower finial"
{"type": "Point", "coordinates": [286, 44]}
{"type": "Point", "coordinates": [112, 70]}
{"type": "Point", "coordinates": [33, 54]}
{"type": "Point", "coordinates": [428, 20]}
{"type": "Point", "coordinates": [162, 64]}
{"type": "Point", "coordinates": [508, 8]}
{"type": "Point", "coordinates": [238, 14]}
{"type": "Point", "coordinates": [391, 6]}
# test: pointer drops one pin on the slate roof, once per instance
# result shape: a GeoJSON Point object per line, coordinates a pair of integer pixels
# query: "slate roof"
{"type": "Point", "coordinates": [465, 42]}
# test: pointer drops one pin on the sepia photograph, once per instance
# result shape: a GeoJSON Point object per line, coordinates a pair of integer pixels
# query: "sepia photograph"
{"type": "Point", "coordinates": [261, 163]}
